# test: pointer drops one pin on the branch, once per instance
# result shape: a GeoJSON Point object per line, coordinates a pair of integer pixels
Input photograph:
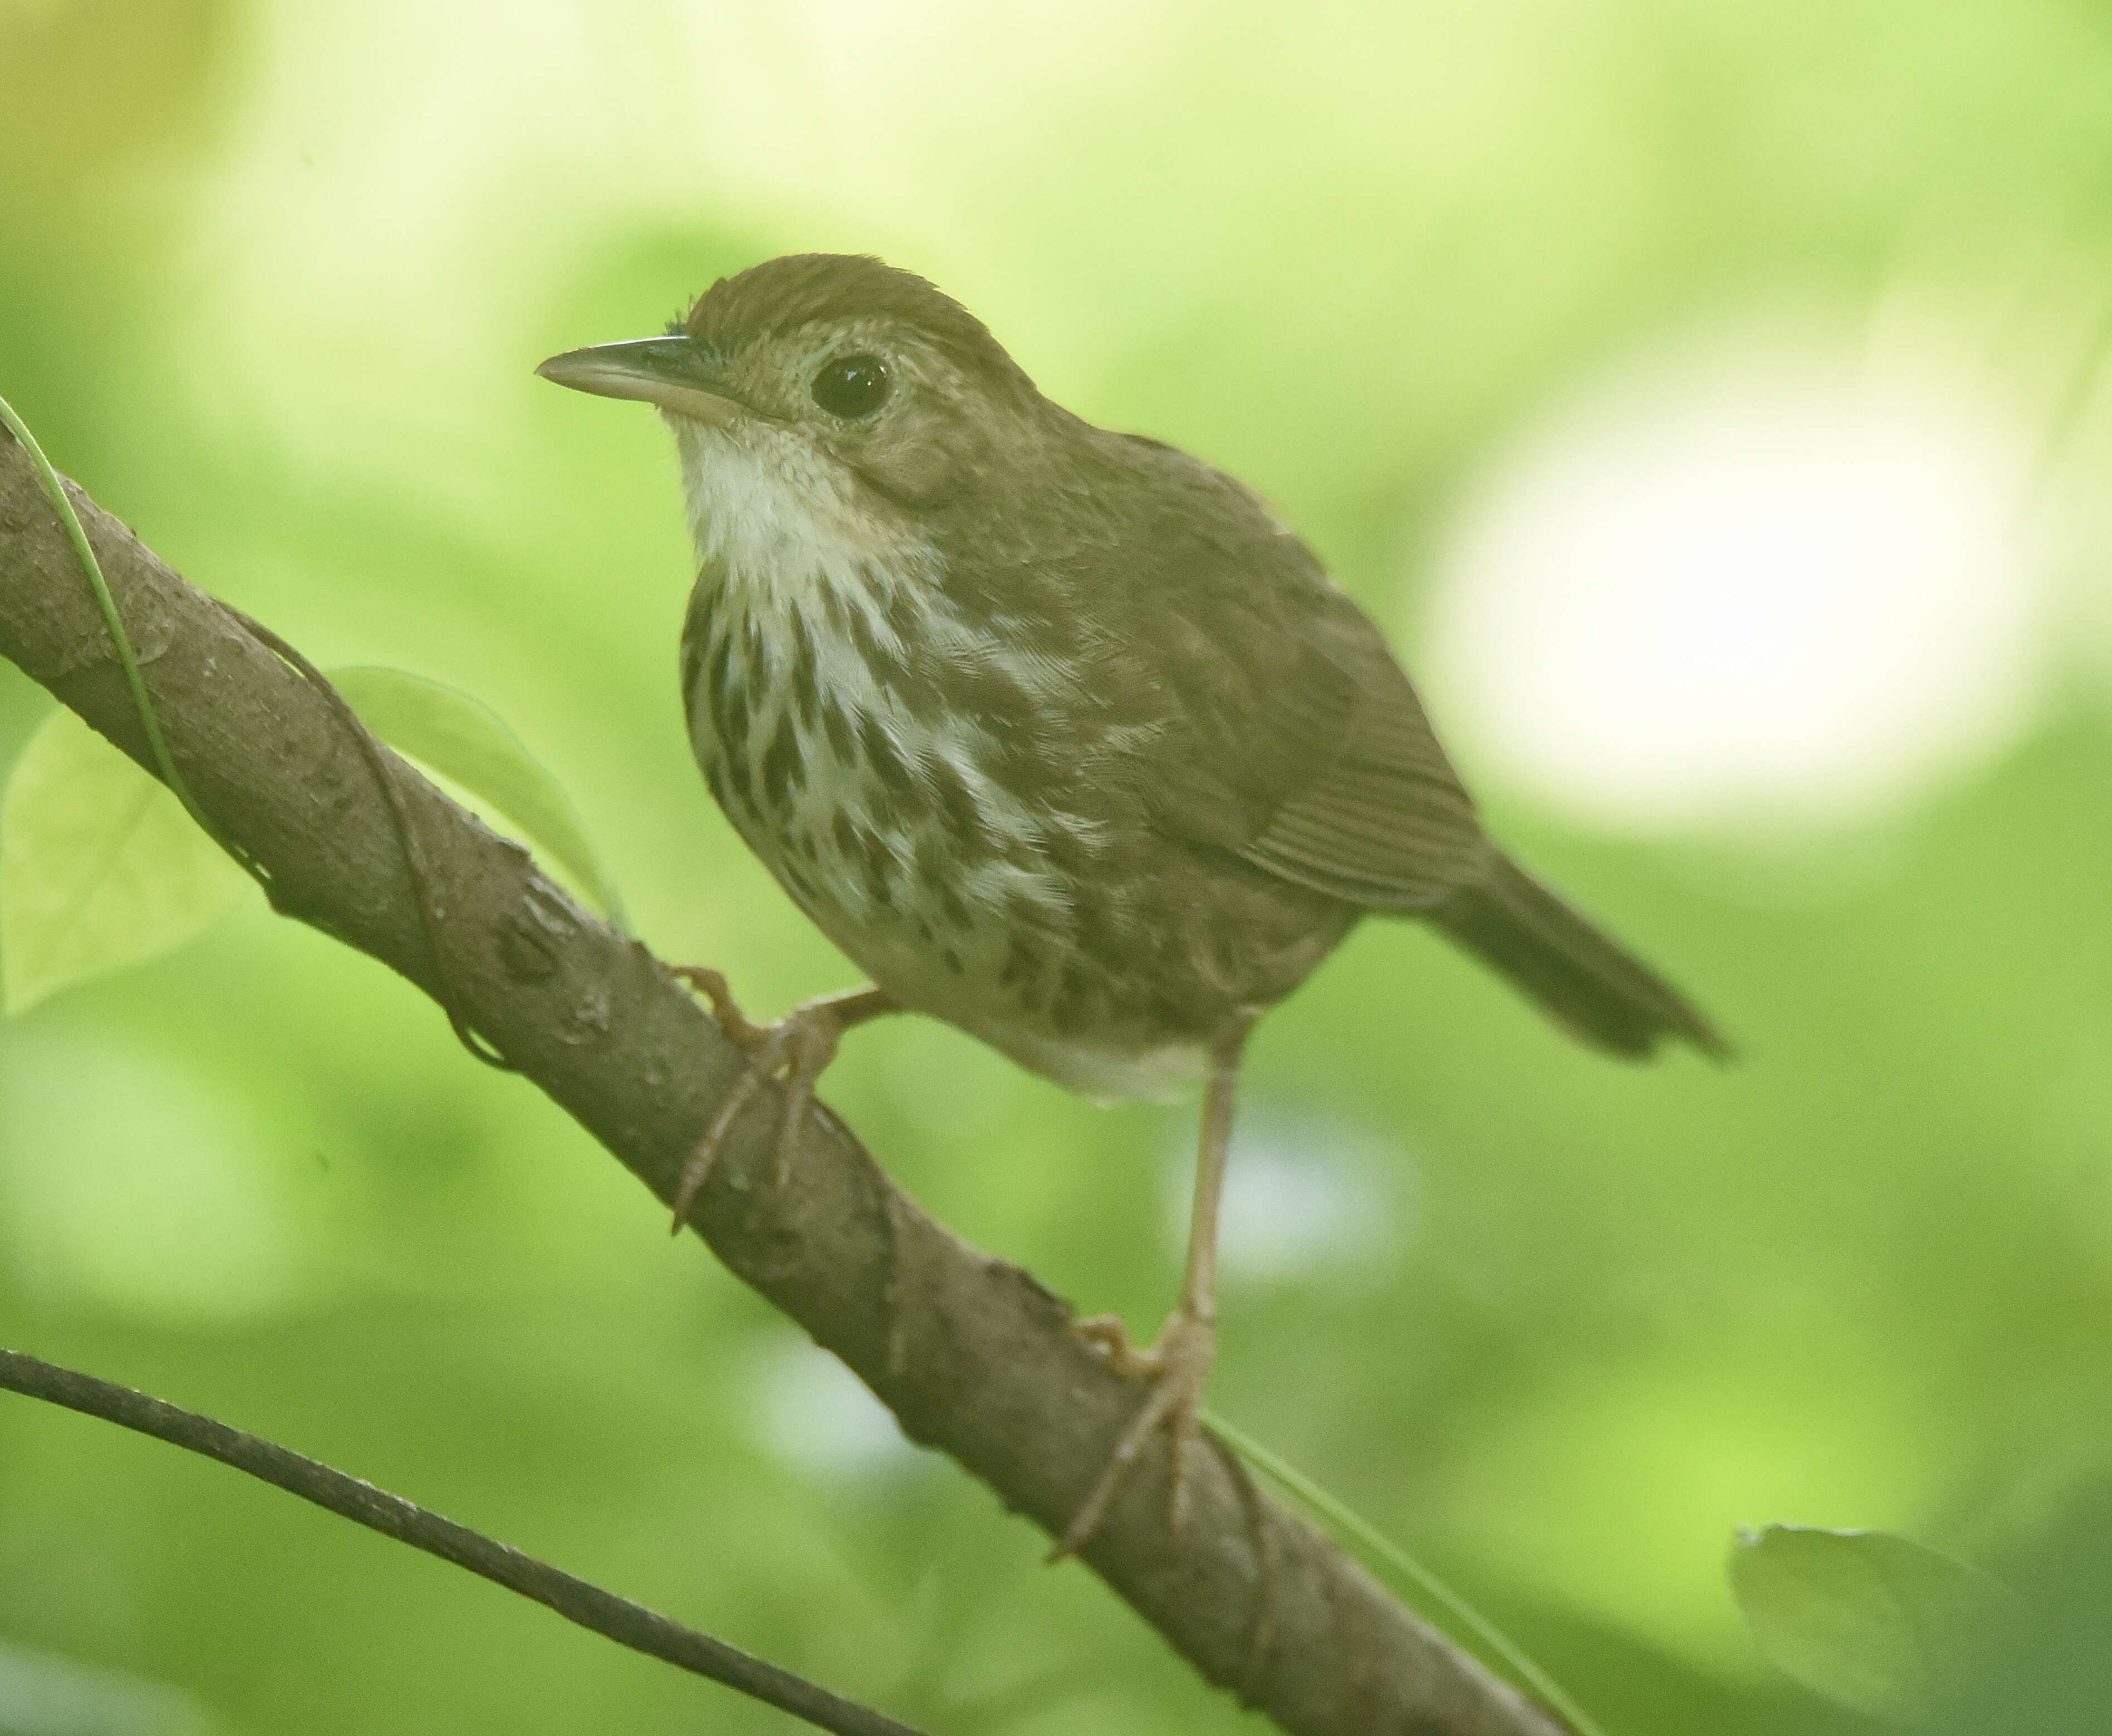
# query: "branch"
{"type": "Point", "coordinates": [972, 1354]}
{"type": "Point", "coordinates": [602, 1612]}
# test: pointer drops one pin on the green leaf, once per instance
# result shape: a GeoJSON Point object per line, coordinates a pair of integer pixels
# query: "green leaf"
{"type": "Point", "coordinates": [467, 742]}
{"type": "Point", "coordinates": [100, 867]}
{"type": "Point", "coordinates": [1865, 1617]}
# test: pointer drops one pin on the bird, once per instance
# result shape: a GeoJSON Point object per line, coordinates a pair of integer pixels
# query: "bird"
{"type": "Point", "coordinates": [1057, 732]}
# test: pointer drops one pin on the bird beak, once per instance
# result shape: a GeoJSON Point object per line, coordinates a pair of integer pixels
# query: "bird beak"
{"type": "Point", "coordinates": [674, 373]}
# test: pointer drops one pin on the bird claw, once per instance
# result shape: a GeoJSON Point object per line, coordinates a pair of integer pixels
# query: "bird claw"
{"type": "Point", "coordinates": [712, 985]}
{"type": "Point", "coordinates": [1176, 1366]}
{"type": "Point", "coordinates": [1109, 1332]}
{"type": "Point", "coordinates": [800, 1045]}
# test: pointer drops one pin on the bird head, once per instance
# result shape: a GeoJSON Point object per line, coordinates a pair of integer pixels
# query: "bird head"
{"type": "Point", "coordinates": [820, 395]}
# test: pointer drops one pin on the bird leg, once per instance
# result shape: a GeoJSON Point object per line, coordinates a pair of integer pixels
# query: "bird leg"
{"type": "Point", "coordinates": [799, 1046]}
{"type": "Point", "coordinates": [1178, 1365]}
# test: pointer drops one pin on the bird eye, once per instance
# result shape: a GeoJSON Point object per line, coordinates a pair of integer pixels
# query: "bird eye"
{"type": "Point", "coordinates": [851, 386]}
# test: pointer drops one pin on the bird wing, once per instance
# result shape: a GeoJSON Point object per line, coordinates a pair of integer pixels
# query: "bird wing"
{"type": "Point", "coordinates": [1376, 815]}
{"type": "Point", "coordinates": [1293, 739]}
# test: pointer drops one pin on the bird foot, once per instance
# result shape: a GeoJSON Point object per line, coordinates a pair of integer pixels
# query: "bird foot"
{"type": "Point", "coordinates": [1176, 1368]}
{"type": "Point", "coordinates": [800, 1045]}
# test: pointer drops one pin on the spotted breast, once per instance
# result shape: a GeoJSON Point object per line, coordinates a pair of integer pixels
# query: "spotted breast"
{"type": "Point", "coordinates": [912, 780]}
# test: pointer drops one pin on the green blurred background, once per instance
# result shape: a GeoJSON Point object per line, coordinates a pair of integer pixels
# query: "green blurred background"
{"type": "Point", "coordinates": [1704, 396]}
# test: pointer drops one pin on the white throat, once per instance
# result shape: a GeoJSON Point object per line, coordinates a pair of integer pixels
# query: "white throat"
{"type": "Point", "coordinates": [771, 514]}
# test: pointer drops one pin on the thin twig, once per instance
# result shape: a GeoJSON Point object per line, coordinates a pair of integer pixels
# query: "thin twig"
{"type": "Point", "coordinates": [120, 642]}
{"type": "Point", "coordinates": [615, 1618]}
{"type": "Point", "coordinates": [406, 829]}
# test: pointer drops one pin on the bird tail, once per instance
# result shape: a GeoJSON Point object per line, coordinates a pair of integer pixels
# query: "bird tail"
{"type": "Point", "coordinates": [1579, 978]}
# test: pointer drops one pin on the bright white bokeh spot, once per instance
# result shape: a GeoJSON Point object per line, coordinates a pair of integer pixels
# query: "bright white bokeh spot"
{"type": "Point", "coordinates": [1302, 1198]}
{"type": "Point", "coordinates": [814, 1413]}
{"type": "Point", "coordinates": [1768, 582]}
{"type": "Point", "coordinates": [56, 1696]}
